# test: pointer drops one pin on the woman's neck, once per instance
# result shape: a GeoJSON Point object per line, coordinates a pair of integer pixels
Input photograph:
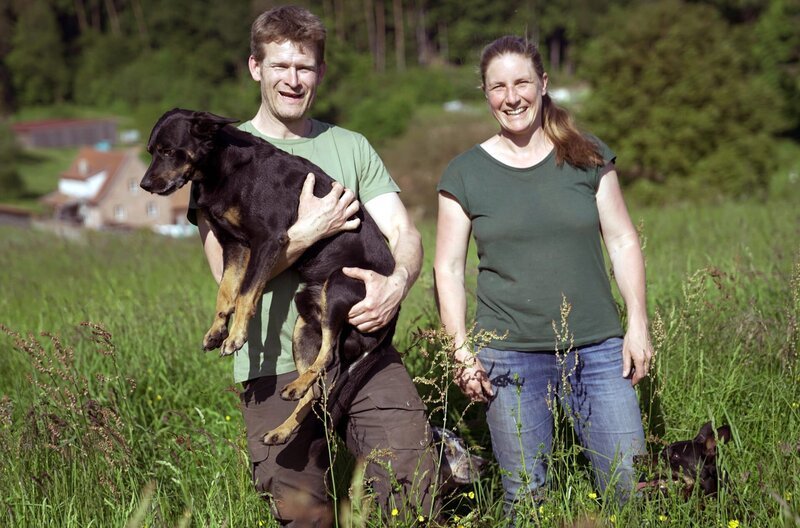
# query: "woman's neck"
{"type": "Point", "coordinates": [519, 150]}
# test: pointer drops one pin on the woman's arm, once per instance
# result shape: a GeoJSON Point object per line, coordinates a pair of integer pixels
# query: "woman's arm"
{"type": "Point", "coordinates": [452, 240]}
{"type": "Point", "coordinates": [622, 243]}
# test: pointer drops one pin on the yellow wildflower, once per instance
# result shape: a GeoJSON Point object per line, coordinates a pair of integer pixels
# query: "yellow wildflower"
{"type": "Point", "coordinates": [227, 418]}
{"type": "Point", "coordinates": [394, 512]}
{"type": "Point", "coordinates": [471, 495]}
{"type": "Point", "coordinates": [663, 518]}
{"type": "Point", "coordinates": [158, 397]}
{"type": "Point", "coordinates": [592, 495]}
{"type": "Point", "coordinates": [733, 523]}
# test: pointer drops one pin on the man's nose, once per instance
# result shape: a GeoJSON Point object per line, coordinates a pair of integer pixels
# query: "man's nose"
{"type": "Point", "coordinates": [292, 78]}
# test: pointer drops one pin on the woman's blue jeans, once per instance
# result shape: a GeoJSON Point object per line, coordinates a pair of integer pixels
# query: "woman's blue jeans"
{"type": "Point", "coordinates": [602, 403]}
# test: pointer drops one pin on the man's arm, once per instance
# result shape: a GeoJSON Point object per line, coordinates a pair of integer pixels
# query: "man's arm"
{"type": "Point", "coordinates": [384, 294]}
{"type": "Point", "coordinates": [317, 218]}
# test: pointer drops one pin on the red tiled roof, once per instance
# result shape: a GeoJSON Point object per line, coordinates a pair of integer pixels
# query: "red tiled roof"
{"type": "Point", "coordinates": [96, 161]}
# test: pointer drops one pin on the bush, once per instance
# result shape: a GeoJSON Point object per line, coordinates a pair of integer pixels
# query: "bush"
{"type": "Point", "coordinates": [677, 97]}
{"type": "Point", "coordinates": [11, 184]}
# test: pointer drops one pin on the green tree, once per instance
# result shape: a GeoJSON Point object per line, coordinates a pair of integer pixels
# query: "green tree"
{"type": "Point", "coordinates": [777, 49]}
{"type": "Point", "coordinates": [11, 184]}
{"type": "Point", "coordinates": [676, 94]}
{"type": "Point", "coordinates": [36, 60]}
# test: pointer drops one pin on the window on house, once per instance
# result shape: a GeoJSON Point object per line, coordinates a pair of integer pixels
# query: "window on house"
{"type": "Point", "coordinates": [152, 209]}
{"type": "Point", "coordinates": [133, 186]}
{"type": "Point", "coordinates": [119, 212]}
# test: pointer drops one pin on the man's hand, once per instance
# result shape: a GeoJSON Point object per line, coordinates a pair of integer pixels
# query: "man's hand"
{"type": "Point", "coordinates": [382, 300]}
{"type": "Point", "coordinates": [319, 218]}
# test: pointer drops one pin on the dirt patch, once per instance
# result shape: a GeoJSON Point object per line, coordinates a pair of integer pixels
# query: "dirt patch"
{"type": "Point", "coordinates": [417, 159]}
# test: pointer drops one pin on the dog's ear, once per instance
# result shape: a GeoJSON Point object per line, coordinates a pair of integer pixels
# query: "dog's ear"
{"type": "Point", "coordinates": [724, 433]}
{"type": "Point", "coordinates": [706, 432]}
{"type": "Point", "coordinates": [205, 124]}
{"type": "Point", "coordinates": [709, 438]}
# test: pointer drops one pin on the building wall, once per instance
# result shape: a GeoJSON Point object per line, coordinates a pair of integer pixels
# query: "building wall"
{"type": "Point", "coordinates": [69, 134]}
{"type": "Point", "coordinates": [126, 203]}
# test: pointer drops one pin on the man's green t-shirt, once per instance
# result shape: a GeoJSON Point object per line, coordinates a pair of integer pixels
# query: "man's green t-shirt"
{"type": "Point", "coordinates": [537, 232]}
{"type": "Point", "coordinates": [348, 158]}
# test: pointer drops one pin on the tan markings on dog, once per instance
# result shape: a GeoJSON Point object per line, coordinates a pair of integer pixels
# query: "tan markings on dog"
{"type": "Point", "coordinates": [245, 309]}
{"type": "Point", "coordinates": [281, 434]}
{"type": "Point", "coordinates": [232, 276]}
{"type": "Point", "coordinates": [180, 171]}
{"type": "Point", "coordinates": [300, 386]}
{"type": "Point", "coordinates": [233, 216]}
{"type": "Point", "coordinates": [297, 335]}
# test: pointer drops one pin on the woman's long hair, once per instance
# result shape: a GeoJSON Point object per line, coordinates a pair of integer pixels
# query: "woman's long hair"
{"type": "Point", "coordinates": [571, 145]}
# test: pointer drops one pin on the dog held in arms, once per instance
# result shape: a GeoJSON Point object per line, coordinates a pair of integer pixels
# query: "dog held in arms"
{"type": "Point", "coordinates": [249, 191]}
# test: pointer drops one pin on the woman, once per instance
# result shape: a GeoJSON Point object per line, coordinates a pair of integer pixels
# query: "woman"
{"type": "Point", "coordinates": [539, 196]}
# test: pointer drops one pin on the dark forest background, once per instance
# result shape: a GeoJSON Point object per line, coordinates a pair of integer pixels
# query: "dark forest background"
{"type": "Point", "coordinates": [694, 96]}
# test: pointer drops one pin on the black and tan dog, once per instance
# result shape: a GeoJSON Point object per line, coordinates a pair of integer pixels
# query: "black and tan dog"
{"type": "Point", "coordinates": [249, 191]}
{"type": "Point", "coordinates": [692, 463]}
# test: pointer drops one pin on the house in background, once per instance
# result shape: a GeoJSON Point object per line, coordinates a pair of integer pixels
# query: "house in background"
{"type": "Point", "coordinates": [100, 190]}
{"type": "Point", "coordinates": [65, 132]}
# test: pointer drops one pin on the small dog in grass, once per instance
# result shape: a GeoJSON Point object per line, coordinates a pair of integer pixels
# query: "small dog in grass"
{"type": "Point", "coordinates": [459, 466]}
{"type": "Point", "coordinates": [249, 192]}
{"type": "Point", "coordinates": [692, 462]}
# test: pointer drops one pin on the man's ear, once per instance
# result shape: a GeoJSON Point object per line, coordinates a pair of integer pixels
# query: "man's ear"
{"type": "Point", "coordinates": [255, 68]}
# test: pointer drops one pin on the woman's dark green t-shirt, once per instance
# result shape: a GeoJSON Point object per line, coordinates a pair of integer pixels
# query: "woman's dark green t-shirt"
{"type": "Point", "coordinates": [537, 232]}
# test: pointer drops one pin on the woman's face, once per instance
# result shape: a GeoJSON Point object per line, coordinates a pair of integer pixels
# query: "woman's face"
{"type": "Point", "coordinates": [514, 93]}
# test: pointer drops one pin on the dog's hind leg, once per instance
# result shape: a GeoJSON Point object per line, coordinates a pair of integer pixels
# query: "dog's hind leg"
{"type": "Point", "coordinates": [263, 256]}
{"type": "Point", "coordinates": [235, 258]}
{"type": "Point", "coordinates": [338, 295]}
{"type": "Point", "coordinates": [281, 434]}
{"type": "Point", "coordinates": [307, 336]}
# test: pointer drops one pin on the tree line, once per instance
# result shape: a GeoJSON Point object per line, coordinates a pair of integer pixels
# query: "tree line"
{"type": "Point", "coordinates": [691, 93]}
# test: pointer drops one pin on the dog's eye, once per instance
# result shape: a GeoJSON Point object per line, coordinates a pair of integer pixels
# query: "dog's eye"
{"type": "Point", "coordinates": [166, 152]}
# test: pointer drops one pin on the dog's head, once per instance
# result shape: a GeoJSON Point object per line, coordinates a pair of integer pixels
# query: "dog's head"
{"type": "Point", "coordinates": [179, 142]}
{"type": "Point", "coordinates": [459, 466]}
{"type": "Point", "coordinates": [695, 461]}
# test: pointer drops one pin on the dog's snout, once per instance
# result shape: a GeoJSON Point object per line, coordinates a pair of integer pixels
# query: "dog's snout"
{"type": "Point", "coordinates": [146, 183]}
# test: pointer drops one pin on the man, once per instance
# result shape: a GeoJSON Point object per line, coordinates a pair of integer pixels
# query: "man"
{"type": "Point", "coordinates": [386, 414]}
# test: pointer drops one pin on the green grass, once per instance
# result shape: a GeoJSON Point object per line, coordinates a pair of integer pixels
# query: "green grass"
{"type": "Point", "coordinates": [40, 170]}
{"type": "Point", "coordinates": [164, 444]}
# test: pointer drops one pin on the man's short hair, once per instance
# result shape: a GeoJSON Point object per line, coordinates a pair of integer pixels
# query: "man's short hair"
{"type": "Point", "coordinates": [292, 23]}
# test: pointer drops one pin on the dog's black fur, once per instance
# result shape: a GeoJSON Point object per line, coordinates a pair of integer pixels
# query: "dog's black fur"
{"type": "Point", "coordinates": [693, 462]}
{"type": "Point", "coordinates": [249, 191]}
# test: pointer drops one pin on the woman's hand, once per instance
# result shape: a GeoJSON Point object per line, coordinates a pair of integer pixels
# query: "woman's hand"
{"type": "Point", "coordinates": [637, 351]}
{"type": "Point", "coordinates": [471, 377]}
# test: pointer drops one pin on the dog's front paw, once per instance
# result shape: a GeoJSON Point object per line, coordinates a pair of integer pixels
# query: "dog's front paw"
{"type": "Point", "coordinates": [214, 338]}
{"type": "Point", "coordinates": [232, 344]}
{"type": "Point", "coordinates": [277, 436]}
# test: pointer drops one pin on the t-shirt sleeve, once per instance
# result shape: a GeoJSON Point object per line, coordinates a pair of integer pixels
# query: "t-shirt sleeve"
{"type": "Point", "coordinates": [374, 179]}
{"type": "Point", "coordinates": [191, 212]}
{"type": "Point", "coordinates": [608, 157]}
{"type": "Point", "coordinates": [452, 183]}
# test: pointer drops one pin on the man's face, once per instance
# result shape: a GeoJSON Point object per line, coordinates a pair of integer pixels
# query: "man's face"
{"type": "Point", "coordinates": [289, 76]}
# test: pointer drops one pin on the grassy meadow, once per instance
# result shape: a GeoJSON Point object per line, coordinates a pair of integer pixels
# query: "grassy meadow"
{"type": "Point", "coordinates": [112, 416]}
